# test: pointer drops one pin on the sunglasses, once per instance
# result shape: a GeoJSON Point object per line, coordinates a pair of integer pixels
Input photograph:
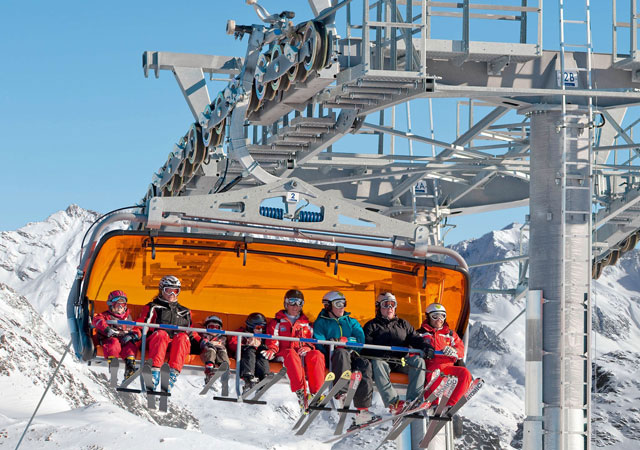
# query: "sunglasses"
{"type": "Point", "coordinates": [294, 301]}
{"type": "Point", "coordinates": [388, 304]}
{"type": "Point", "coordinates": [438, 316]}
{"type": "Point", "coordinates": [169, 290]}
{"type": "Point", "coordinates": [340, 303]}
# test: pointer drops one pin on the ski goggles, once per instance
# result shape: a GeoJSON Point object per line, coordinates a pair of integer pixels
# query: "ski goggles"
{"type": "Point", "coordinates": [438, 316]}
{"type": "Point", "coordinates": [388, 304]}
{"type": "Point", "coordinates": [258, 329]}
{"type": "Point", "coordinates": [342, 303]}
{"type": "Point", "coordinates": [212, 326]}
{"type": "Point", "coordinates": [119, 303]}
{"type": "Point", "coordinates": [294, 301]}
{"type": "Point", "coordinates": [170, 290]}
{"type": "Point", "coordinates": [115, 300]}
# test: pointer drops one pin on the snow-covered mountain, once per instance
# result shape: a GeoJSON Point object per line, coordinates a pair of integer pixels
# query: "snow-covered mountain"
{"type": "Point", "coordinates": [37, 266]}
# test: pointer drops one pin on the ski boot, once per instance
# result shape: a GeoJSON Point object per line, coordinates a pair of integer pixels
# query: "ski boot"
{"type": "Point", "coordinates": [208, 372]}
{"type": "Point", "coordinates": [155, 374]}
{"type": "Point", "coordinates": [129, 367]}
{"type": "Point", "coordinates": [396, 407]}
{"type": "Point", "coordinates": [249, 382]}
{"type": "Point", "coordinates": [173, 377]}
{"type": "Point", "coordinates": [363, 418]}
{"type": "Point", "coordinates": [302, 400]}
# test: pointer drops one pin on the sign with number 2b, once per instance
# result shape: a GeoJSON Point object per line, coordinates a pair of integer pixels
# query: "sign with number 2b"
{"type": "Point", "coordinates": [569, 78]}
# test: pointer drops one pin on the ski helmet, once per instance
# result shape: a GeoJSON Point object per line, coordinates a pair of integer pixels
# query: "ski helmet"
{"type": "Point", "coordinates": [115, 297]}
{"type": "Point", "coordinates": [436, 308]}
{"type": "Point", "coordinates": [331, 297]}
{"type": "Point", "coordinates": [169, 281]}
{"type": "Point", "coordinates": [385, 297]}
{"type": "Point", "coordinates": [255, 320]}
{"type": "Point", "coordinates": [212, 319]}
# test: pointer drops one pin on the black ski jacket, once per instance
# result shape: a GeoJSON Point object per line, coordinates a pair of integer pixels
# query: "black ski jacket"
{"type": "Point", "coordinates": [394, 332]}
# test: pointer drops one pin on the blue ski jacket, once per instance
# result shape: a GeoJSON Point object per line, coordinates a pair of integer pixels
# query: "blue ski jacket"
{"type": "Point", "coordinates": [329, 328]}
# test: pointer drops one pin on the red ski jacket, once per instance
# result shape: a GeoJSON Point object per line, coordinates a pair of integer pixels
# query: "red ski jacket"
{"type": "Point", "coordinates": [100, 323]}
{"type": "Point", "coordinates": [439, 339]}
{"type": "Point", "coordinates": [281, 326]}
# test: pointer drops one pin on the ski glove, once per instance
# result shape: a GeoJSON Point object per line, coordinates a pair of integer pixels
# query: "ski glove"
{"type": "Point", "coordinates": [268, 354]}
{"type": "Point", "coordinates": [113, 332]}
{"type": "Point", "coordinates": [429, 352]}
{"type": "Point", "coordinates": [129, 337]}
{"type": "Point", "coordinates": [449, 351]}
{"type": "Point", "coordinates": [303, 350]}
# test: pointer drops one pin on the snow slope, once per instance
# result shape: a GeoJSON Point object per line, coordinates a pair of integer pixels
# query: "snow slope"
{"type": "Point", "coordinates": [37, 266]}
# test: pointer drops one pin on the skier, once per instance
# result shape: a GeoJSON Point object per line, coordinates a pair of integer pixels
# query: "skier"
{"type": "Point", "coordinates": [299, 358]}
{"type": "Point", "coordinates": [213, 351]}
{"type": "Point", "coordinates": [254, 367]}
{"type": "Point", "coordinates": [334, 324]}
{"type": "Point", "coordinates": [437, 333]}
{"type": "Point", "coordinates": [117, 340]}
{"type": "Point", "coordinates": [165, 309]}
{"type": "Point", "coordinates": [390, 330]}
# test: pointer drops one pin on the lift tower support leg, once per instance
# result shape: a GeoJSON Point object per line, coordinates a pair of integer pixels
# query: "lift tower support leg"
{"type": "Point", "coordinates": [560, 267]}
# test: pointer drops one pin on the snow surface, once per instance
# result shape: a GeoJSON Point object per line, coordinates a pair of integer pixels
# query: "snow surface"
{"type": "Point", "coordinates": [37, 266]}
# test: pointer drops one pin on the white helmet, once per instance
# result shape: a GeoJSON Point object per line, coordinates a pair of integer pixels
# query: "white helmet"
{"type": "Point", "coordinates": [436, 307]}
{"type": "Point", "coordinates": [169, 281]}
{"type": "Point", "coordinates": [384, 297]}
{"type": "Point", "coordinates": [332, 296]}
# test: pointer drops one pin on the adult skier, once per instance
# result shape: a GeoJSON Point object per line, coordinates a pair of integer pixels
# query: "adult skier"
{"type": "Point", "coordinates": [301, 359]}
{"type": "Point", "coordinates": [390, 330]}
{"type": "Point", "coordinates": [165, 309]}
{"type": "Point", "coordinates": [437, 333]}
{"type": "Point", "coordinates": [117, 340]}
{"type": "Point", "coordinates": [335, 324]}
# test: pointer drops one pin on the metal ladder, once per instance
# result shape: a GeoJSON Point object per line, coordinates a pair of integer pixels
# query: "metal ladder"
{"type": "Point", "coordinates": [576, 178]}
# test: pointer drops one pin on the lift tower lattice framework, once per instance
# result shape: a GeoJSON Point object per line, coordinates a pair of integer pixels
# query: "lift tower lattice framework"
{"type": "Point", "coordinates": [275, 131]}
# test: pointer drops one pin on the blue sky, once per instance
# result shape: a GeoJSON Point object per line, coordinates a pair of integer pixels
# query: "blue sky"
{"type": "Point", "coordinates": [79, 123]}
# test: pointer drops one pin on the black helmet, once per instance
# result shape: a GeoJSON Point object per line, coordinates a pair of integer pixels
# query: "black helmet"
{"type": "Point", "coordinates": [255, 320]}
{"type": "Point", "coordinates": [213, 319]}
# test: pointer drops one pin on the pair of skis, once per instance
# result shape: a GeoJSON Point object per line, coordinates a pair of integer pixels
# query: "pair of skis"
{"type": "Point", "coordinates": [255, 392]}
{"type": "Point", "coordinates": [443, 415]}
{"type": "Point", "coordinates": [320, 400]}
{"type": "Point", "coordinates": [223, 369]}
{"type": "Point", "coordinates": [147, 376]}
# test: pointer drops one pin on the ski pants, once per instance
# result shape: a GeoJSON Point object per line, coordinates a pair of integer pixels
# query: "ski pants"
{"type": "Point", "coordinates": [111, 348]}
{"type": "Point", "coordinates": [312, 364]}
{"type": "Point", "coordinates": [253, 363]}
{"type": "Point", "coordinates": [464, 380]}
{"type": "Point", "coordinates": [343, 359]}
{"type": "Point", "coordinates": [381, 375]}
{"type": "Point", "coordinates": [216, 355]}
{"type": "Point", "coordinates": [178, 346]}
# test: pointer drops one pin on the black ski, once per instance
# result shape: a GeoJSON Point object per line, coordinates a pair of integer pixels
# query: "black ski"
{"type": "Point", "coordinates": [223, 368]}
{"type": "Point", "coordinates": [263, 386]}
{"type": "Point", "coordinates": [148, 382]}
{"type": "Point", "coordinates": [356, 377]}
{"type": "Point", "coordinates": [440, 418]}
{"type": "Point", "coordinates": [114, 363]}
{"type": "Point", "coordinates": [164, 386]}
{"type": "Point", "coordinates": [313, 413]}
{"type": "Point", "coordinates": [317, 397]}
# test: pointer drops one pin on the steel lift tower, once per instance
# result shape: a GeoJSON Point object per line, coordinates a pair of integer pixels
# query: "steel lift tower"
{"type": "Point", "coordinates": [304, 89]}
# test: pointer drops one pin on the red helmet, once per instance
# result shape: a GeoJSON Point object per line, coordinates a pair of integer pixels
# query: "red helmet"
{"type": "Point", "coordinates": [115, 297]}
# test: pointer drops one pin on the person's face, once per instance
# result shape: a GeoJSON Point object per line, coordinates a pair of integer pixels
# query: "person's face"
{"type": "Point", "coordinates": [170, 294]}
{"type": "Point", "coordinates": [436, 320]}
{"type": "Point", "coordinates": [337, 307]}
{"type": "Point", "coordinates": [388, 309]}
{"type": "Point", "coordinates": [119, 307]}
{"type": "Point", "coordinates": [293, 306]}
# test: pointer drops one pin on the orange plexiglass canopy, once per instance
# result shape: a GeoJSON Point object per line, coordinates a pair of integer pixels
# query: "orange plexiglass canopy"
{"type": "Point", "coordinates": [216, 277]}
